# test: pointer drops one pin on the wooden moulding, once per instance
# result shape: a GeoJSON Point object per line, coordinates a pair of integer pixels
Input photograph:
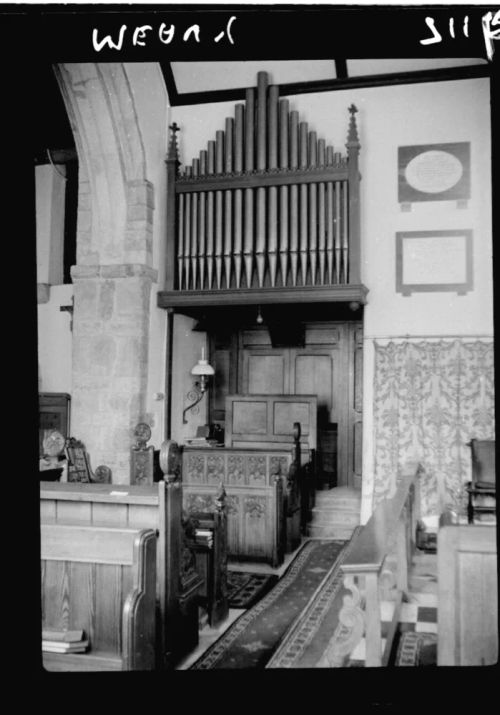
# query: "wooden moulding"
{"type": "Point", "coordinates": [258, 179]}
{"type": "Point", "coordinates": [260, 296]}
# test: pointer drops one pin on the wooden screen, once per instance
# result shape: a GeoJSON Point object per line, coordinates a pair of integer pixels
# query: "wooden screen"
{"type": "Point", "coordinates": [267, 420]}
{"type": "Point", "coordinates": [267, 204]}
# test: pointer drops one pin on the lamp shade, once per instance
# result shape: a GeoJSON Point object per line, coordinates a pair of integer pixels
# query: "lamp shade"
{"type": "Point", "coordinates": [202, 368]}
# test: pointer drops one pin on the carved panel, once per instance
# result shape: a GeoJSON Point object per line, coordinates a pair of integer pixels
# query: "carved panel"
{"type": "Point", "coordinates": [199, 502]}
{"type": "Point", "coordinates": [195, 468]}
{"type": "Point", "coordinates": [142, 466]}
{"type": "Point", "coordinates": [235, 469]}
{"type": "Point", "coordinates": [277, 465]}
{"type": "Point", "coordinates": [232, 504]}
{"type": "Point", "coordinates": [256, 470]}
{"type": "Point", "coordinates": [215, 469]}
{"type": "Point", "coordinates": [255, 507]}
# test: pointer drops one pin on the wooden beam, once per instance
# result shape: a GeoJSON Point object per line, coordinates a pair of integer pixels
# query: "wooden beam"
{"type": "Point", "coordinates": [341, 68]}
{"type": "Point", "coordinates": [254, 296]}
{"type": "Point", "coordinates": [168, 76]}
{"type": "Point", "coordinates": [331, 85]}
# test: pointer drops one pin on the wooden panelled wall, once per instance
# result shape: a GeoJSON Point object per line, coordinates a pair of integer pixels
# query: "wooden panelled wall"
{"type": "Point", "coordinates": [329, 366]}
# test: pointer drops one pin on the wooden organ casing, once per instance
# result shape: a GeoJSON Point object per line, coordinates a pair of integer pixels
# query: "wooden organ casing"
{"type": "Point", "coordinates": [267, 212]}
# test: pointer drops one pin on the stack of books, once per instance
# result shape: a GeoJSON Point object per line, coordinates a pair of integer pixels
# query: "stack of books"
{"type": "Point", "coordinates": [64, 641]}
{"type": "Point", "coordinates": [204, 537]}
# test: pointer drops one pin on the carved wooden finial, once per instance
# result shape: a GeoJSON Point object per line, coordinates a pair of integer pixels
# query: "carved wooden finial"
{"type": "Point", "coordinates": [352, 136]}
{"type": "Point", "coordinates": [170, 460]}
{"type": "Point", "coordinates": [220, 497]}
{"type": "Point", "coordinates": [173, 151]}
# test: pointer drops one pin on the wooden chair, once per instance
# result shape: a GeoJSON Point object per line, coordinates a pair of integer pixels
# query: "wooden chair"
{"type": "Point", "coordinates": [102, 581]}
{"type": "Point", "coordinates": [79, 469]}
{"type": "Point", "coordinates": [482, 488]}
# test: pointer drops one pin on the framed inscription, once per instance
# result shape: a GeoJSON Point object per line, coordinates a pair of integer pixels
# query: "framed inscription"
{"type": "Point", "coordinates": [434, 172]}
{"type": "Point", "coordinates": [434, 261]}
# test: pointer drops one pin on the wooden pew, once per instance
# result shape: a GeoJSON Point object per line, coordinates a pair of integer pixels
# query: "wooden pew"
{"type": "Point", "coordinates": [158, 507]}
{"type": "Point", "coordinates": [254, 481]}
{"type": "Point", "coordinates": [101, 580]}
{"type": "Point", "coordinates": [467, 594]}
{"type": "Point", "coordinates": [266, 492]}
{"type": "Point", "coordinates": [390, 531]}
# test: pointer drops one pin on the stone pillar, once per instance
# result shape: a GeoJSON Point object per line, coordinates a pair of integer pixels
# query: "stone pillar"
{"type": "Point", "coordinates": [113, 278]}
{"type": "Point", "coordinates": [110, 360]}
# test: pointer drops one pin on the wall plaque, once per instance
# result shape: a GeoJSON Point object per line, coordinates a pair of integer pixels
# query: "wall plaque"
{"type": "Point", "coordinates": [434, 172]}
{"type": "Point", "coordinates": [434, 261]}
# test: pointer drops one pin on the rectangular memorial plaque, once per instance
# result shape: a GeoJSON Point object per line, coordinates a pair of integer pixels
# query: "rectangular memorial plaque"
{"type": "Point", "coordinates": [434, 261]}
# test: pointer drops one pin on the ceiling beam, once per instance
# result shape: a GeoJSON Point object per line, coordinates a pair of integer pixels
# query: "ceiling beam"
{"type": "Point", "coordinates": [341, 69]}
{"type": "Point", "coordinates": [331, 85]}
{"type": "Point", "coordinates": [168, 75]}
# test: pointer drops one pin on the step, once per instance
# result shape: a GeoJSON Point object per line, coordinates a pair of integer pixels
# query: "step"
{"type": "Point", "coordinates": [332, 511]}
{"type": "Point", "coordinates": [342, 518]}
{"type": "Point", "coordinates": [342, 502]}
{"type": "Point", "coordinates": [329, 532]}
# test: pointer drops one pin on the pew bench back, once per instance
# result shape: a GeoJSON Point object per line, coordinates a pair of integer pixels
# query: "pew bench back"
{"type": "Point", "coordinates": [101, 580]}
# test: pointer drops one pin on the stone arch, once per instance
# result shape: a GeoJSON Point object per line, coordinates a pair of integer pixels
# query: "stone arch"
{"type": "Point", "coordinates": [113, 276]}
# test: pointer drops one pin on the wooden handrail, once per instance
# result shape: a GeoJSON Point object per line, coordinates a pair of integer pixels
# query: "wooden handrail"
{"type": "Point", "coordinates": [370, 549]}
{"type": "Point", "coordinates": [394, 521]}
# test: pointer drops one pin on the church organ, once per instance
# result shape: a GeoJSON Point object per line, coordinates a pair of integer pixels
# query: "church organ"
{"type": "Point", "coordinates": [267, 212]}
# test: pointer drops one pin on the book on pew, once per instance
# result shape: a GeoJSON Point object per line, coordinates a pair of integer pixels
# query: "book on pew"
{"type": "Point", "coordinates": [62, 636]}
{"type": "Point", "coordinates": [60, 647]}
{"type": "Point", "coordinates": [204, 536]}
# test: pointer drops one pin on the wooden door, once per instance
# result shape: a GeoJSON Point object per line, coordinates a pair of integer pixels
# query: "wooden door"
{"type": "Point", "coordinates": [329, 366]}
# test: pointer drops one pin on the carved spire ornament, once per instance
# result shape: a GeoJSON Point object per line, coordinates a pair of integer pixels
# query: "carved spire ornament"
{"type": "Point", "coordinates": [352, 137]}
{"type": "Point", "coordinates": [173, 150]}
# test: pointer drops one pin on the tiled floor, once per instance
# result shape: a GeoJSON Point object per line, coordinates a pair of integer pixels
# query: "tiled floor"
{"type": "Point", "coordinates": [418, 612]}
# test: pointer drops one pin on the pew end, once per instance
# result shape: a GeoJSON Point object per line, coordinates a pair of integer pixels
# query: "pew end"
{"type": "Point", "coordinates": [101, 580]}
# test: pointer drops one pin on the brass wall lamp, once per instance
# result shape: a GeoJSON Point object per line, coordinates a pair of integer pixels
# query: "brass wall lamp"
{"type": "Point", "coordinates": [203, 371]}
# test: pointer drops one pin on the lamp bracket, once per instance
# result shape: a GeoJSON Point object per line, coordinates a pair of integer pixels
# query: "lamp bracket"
{"type": "Point", "coordinates": [195, 394]}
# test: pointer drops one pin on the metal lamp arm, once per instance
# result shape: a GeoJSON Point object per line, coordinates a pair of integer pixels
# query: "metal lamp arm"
{"type": "Point", "coordinates": [195, 394]}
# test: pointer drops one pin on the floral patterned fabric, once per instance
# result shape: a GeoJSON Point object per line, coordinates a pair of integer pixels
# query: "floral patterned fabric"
{"type": "Point", "coordinates": [430, 400]}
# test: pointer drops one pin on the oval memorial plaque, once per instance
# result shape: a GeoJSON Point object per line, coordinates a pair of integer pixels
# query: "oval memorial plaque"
{"type": "Point", "coordinates": [434, 171]}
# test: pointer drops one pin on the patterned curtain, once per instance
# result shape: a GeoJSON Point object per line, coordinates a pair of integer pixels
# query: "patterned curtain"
{"type": "Point", "coordinates": [430, 399]}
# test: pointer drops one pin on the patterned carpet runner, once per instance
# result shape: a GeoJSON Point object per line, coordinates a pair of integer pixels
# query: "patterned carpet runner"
{"type": "Point", "coordinates": [251, 640]}
{"type": "Point", "coordinates": [307, 642]}
{"type": "Point", "coordinates": [245, 589]}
